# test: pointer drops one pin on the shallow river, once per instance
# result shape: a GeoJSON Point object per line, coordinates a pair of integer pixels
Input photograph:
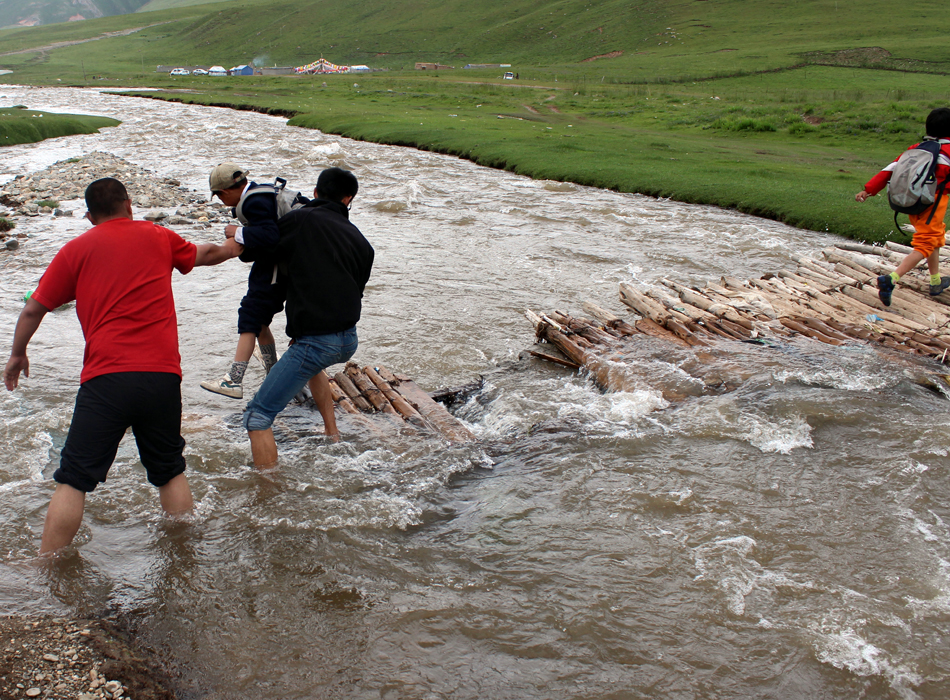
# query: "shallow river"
{"type": "Point", "coordinates": [790, 539]}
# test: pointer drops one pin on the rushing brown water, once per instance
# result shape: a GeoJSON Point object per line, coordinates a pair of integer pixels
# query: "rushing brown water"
{"type": "Point", "coordinates": [790, 539]}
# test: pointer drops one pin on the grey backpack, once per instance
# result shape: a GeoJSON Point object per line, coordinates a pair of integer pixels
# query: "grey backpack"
{"type": "Point", "coordinates": [286, 200]}
{"type": "Point", "coordinates": [913, 186]}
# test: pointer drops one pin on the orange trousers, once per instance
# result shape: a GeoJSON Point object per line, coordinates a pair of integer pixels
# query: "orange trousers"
{"type": "Point", "coordinates": [929, 237]}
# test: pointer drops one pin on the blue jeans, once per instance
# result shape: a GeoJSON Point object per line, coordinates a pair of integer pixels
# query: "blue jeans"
{"type": "Point", "coordinates": [307, 357]}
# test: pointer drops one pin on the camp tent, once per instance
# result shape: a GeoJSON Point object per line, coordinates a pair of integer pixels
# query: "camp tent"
{"type": "Point", "coordinates": [217, 70]}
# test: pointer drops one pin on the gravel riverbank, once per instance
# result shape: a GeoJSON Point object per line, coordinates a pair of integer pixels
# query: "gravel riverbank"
{"type": "Point", "coordinates": [60, 658]}
{"type": "Point", "coordinates": [41, 194]}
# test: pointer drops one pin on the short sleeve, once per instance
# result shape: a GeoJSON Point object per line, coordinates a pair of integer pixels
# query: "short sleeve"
{"type": "Point", "coordinates": [58, 284]}
{"type": "Point", "coordinates": [183, 252]}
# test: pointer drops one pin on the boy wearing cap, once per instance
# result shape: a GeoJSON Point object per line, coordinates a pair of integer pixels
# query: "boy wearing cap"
{"type": "Point", "coordinates": [255, 206]}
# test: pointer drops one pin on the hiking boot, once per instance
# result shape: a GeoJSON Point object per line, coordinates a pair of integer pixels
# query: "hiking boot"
{"type": "Point", "coordinates": [885, 287]}
{"type": "Point", "coordinates": [935, 289]}
{"type": "Point", "coordinates": [225, 387]}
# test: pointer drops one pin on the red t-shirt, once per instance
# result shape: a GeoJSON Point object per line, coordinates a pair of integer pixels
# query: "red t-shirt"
{"type": "Point", "coordinates": [119, 274]}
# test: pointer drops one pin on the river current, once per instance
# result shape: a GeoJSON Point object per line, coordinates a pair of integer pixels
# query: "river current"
{"type": "Point", "coordinates": [789, 539]}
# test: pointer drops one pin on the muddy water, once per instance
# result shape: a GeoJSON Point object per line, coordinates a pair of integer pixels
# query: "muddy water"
{"type": "Point", "coordinates": [789, 539]}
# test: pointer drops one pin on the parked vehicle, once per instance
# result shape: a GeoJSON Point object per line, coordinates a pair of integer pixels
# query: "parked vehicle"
{"type": "Point", "coordinates": [180, 71]}
{"type": "Point", "coordinates": [199, 71]}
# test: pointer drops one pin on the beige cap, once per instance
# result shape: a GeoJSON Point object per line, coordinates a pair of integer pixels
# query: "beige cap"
{"type": "Point", "coordinates": [226, 175]}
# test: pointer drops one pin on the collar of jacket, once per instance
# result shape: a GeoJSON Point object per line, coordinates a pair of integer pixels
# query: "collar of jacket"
{"type": "Point", "coordinates": [338, 207]}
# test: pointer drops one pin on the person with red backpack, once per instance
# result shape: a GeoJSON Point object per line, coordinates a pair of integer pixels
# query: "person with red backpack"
{"type": "Point", "coordinates": [926, 187]}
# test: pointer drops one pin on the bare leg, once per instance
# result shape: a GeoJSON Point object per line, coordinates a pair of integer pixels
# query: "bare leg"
{"type": "Point", "coordinates": [910, 262]}
{"type": "Point", "coordinates": [63, 518]}
{"type": "Point", "coordinates": [176, 496]}
{"type": "Point", "coordinates": [320, 390]}
{"type": "Point", "coordinates": [263, 448]}
{"type": "Point", "coordinates": [266, 337]}
{"type": "Point", "coordinates": [933, 262]}
{"type": "Point", "coordinates": [245, 347]}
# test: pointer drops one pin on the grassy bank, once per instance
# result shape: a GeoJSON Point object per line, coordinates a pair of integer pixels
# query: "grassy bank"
{"type": "Point", "coordinates": [779, 110]}
{"type": "Point", "coordinates": [793, 146]}
{"type": "Point", "coordinates": [22, 125]}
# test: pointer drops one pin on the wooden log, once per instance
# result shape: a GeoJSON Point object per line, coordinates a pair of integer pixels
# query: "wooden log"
{"type": "Point", "coordinates": [851, 329]}
{"type": "Point", "coordinates": [701, 301]}
{"type": "Point", "coordinates": [403, 407]}
{"type": "Point", "coordinates": [551, 358]}
{"type": "Point", "coordinates": [341, 399]}
{"type": "Point", "coordinates": [810, 332]}
{"type": "Point", "coordinates": [677, 309]}
{"type": "Point", "coordinates": [800, 283]}
{"type": "Point", "coordinates": [852, 276]}
{"type": "Point", "coordinates": [822, 327]}
{"type": "Point", "coordinates": [857, 261]}
{"type": "Point", "coordinates": [350, 389]}
{"type": "Point", "coordinates": [683, 332]}
{"type": "Point", "coordinates": [861, 248]}
{"type": "Point", "coordinates": [368, 389]}
{"type": "Point", "coordinates": [643, 305]}
{"type": "Point", "coordinates": [609, 320]}
{"type": "Point", "coordinates": [386, 374]}
{"type": "Point", "coordinates": [650, 327]}
{"type": "Point", "coordinates": [819, 278]}
{"type": "Point", "coordinates": [434, 413]}
{"type": "Point", "coordinates": [749, 303]}
{"type": "Point", "coordinates": [586, 328]}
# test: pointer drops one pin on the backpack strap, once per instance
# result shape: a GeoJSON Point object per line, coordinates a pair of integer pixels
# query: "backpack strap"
{"type": "Point", "coordinates": [940, 191]}
{"type": "Point", "coordinates": [257, 189]}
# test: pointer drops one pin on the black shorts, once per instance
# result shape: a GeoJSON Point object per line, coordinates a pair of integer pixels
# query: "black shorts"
{"type": "Point", "coordinates": [106, 406]}
{"type": "Point", "coordinates": [258, 308]}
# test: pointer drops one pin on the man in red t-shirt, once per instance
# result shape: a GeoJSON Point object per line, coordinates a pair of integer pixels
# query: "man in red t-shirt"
{"type": "Point", "coordinates": [119, 274]}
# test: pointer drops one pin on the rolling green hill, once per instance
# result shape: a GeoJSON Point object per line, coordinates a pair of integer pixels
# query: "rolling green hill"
{"type": "Point", "coordinates": [640, 40]}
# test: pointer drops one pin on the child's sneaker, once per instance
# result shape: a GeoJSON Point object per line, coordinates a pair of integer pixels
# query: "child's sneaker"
{"type": "Point", "coordinates": [935, 289]}
{"type": "Point", "coordinates": [885, 287]}
{"type": "Point", "coordinates": [225, 387]}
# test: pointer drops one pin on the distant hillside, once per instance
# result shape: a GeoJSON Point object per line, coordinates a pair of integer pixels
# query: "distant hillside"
{"type": "Point", "coordinates": [156, 5]}
{"type": "Point", "coordinates": [623, 40]}
{"type": "Point", "coordinates": [31, 13]}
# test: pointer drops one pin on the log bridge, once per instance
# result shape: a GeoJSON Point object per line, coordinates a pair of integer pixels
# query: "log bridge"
{"type": "Point", "coordinates": [832, 299]}
{"type": "Point", "coordinates": [376, 397]}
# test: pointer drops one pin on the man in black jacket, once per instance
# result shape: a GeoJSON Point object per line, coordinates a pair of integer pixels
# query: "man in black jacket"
{"type": "Point", "coordinates": [325, 263]}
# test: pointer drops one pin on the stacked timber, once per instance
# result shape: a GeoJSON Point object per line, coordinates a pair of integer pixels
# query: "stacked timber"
{"type": "Point", "coordinates": [832, 299]}
{"type": "Point", "coordinates": [373, 394]}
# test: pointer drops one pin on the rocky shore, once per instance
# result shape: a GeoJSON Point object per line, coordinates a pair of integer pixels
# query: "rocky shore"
{"type": "Point", "coordinates": [41, 194]}
{"type": "Point", "coordinates": [62, 659]}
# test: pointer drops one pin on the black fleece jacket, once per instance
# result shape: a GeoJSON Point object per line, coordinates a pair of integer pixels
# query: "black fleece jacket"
{"type": "Point", "coordinates": [325, 263]}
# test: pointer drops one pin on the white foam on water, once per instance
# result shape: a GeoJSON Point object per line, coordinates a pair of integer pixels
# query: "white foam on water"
{"type": "Point", "coordinates": [845, 378]}
{"type": "Point", "coordinates": [730, 565]}
{"type": "Point", "coordinates": [781, 436]}
{"type": "Point", "coordinates": [326, 151]}
{"type": "Point", "coordinates": [849, 651]}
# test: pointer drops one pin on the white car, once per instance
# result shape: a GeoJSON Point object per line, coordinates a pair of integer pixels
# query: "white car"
{"type": "Point", "coordinates": [180, 71]}
{"type": "Point", "coordinates": [199, 71]}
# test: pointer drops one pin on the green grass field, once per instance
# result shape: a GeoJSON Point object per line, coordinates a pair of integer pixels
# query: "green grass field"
{"type": "Point", "coordinates": [22, 125]}
{"type": "Point", "coordinates": [782, 110]}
